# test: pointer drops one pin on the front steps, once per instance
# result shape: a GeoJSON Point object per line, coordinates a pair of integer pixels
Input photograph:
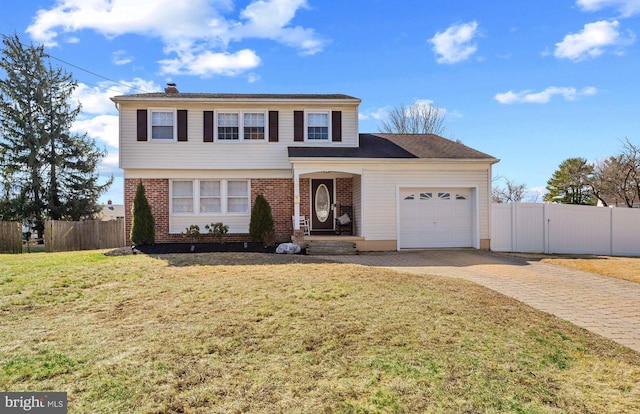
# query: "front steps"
{"type": "Point", "coordinates": [330, 248]}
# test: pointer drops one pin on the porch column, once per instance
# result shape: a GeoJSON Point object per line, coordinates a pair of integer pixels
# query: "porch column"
{"type": "Point", "coordinates": [296, 200]}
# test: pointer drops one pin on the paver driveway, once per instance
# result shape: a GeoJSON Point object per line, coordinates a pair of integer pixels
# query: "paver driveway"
{"type": "Point", "coordinates": [607, 306]}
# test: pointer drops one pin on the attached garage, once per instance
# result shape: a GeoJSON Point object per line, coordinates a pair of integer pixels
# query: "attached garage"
{"type": "Point", "coordinates": [436, 217]}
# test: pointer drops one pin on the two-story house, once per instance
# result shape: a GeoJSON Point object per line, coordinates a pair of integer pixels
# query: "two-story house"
{"type": "Point", "coordinates": [204, 157]}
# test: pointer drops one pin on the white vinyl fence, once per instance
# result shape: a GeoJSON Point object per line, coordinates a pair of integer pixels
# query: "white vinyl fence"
{"type": "Point", "coordinates": [562, 228]}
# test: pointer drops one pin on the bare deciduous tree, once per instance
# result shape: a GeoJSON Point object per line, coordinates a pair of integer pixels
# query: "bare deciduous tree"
{"type": "Point", "coordinates": [512, 192]}
{"type": "Point", "coordinates": [419, 118]}
{"type": "Point", "coordinates": [616, 180]}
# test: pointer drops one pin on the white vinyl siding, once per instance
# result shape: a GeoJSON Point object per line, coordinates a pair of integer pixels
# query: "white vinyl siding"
{"type": "Point", "coordinates": [221, 155]}
{"type": "Point", "coordinates": [380, 220]}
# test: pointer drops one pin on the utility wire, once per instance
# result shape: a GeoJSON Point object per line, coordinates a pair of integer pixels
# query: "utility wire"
{"type": "Point", "coordinates": [95, 74]}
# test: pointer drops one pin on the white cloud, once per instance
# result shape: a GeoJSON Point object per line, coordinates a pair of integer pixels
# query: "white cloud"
{"type": "Point", "coordinates": [528, 96]}
{"type": "Point", "coordinates": [96, 99]}
{"type": "Point", "coordinates": [269, 19]}
{"type": "Point", "coordinates": [591, 41]}
{"type": "Point", "coordinates": [120, 57]}
{"type": "Point", "coordinates": [455, 44]}
{"type": "Point", "coordinates": [103, 128]}
{"type": "Point", "coordinates": [208, 63]}
{"type": "Point", "coordinates": [198, 31]}
{"type": "Point", "coordinates": [626, 7]}
{"type": "Point", "coordinates": [377, 114]}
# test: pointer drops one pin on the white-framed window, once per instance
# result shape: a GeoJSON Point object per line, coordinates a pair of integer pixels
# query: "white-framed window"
{"type": "Point", "coordinates": [317, 126]}
{"type": "Point", "coordinates": [237, 126]}
{"type": "Point", "coordinates": [254, 125]}
{"type": "Point", "coordinates": [182, 197]}
{"type": "Point", "coordinates": [237, 196]}
{"type": "Point", "coordinates": [228, 126]}
{"type": "Point", "coordinates": [163, 124]}
{"type": "Point", "coordinates": [209, 197]}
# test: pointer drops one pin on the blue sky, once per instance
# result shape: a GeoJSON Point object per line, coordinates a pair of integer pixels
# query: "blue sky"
{"type": "Point", "coordinates": [529, 82]}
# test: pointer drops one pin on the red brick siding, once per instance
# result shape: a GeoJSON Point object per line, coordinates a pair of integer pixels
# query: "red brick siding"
{"type": "Point", "coordinates": [157, 192]}
{"type": "Point", "coordinates": [305, 198]}
{"type": "Point", "coordinates": [277, 191]}
{"type": "Point", "coordinates": [279, 194]}
{"type": "Point", "coordinates": [344, 191]}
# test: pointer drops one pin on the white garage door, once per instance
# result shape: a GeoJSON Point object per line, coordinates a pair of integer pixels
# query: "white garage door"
{"type": "Point", "coordinates": [436, 217]}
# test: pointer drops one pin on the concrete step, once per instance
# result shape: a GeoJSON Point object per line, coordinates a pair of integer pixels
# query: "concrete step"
{"type": "Point", "coordinates": [330, 248]}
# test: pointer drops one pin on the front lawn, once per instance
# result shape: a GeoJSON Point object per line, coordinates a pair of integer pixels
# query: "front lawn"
{"type": "Point", "coordinates": [259, 333]}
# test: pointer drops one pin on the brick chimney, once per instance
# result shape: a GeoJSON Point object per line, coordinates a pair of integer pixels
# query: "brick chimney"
{"type": "Point", "coordinates": [171, 88]}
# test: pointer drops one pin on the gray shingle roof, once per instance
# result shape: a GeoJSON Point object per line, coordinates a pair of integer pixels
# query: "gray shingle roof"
{"type": "Point", "coordinates": [232, 96]}
{"type": "Point", "coordinates": [395, 146]}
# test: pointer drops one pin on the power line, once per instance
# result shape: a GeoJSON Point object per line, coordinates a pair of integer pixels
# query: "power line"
{"type": "Point", "coordinates": [95, 74]}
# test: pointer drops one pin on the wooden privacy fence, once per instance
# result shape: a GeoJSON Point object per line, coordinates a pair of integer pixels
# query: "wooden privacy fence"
{"type": "Point", "coordinates": [62, 236]}
{"type": "Point", "coordinates": [563, 228]}
{"type": "Point", "coordinates": [10, 237]}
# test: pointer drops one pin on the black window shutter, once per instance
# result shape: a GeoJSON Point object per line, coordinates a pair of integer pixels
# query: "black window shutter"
{"type": "Point", "coordinates": [208, 126]}
{"type": "Point", "coordinates": [142, 124]}
{"type": "Point", "coordinates": [298, 126]}
{"type": "Point", "coordinates": [273, 126]}
{"type": "Point", "coordinates": [336, 126]}
{"type": "Point", "coordinates": [182, 124]}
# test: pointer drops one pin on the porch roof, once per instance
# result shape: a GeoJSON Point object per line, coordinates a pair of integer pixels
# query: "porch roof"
{"type": "Point", "coordinates": [400, 146]}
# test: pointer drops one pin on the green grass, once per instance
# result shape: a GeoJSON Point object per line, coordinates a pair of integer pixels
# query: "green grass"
{"type": "Point", "coordinates": [209, 333]}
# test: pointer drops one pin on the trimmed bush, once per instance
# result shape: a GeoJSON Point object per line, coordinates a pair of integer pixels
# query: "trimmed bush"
{"type": "Point", "coordinates": [143, 229]}
{"type": "Point", "coordinates": [261, 225]}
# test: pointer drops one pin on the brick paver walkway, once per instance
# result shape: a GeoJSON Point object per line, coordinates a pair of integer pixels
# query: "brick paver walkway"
{"type": "Point", "coordinates": [607, 306]}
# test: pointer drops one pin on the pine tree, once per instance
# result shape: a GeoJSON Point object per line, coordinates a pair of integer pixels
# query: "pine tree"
{"type": "Point", "coordinates": [571, 183]}
{"type": "Point", "coordinates": [143, 229]}
{"type": "Point", "coordinates": [261, 225]}
{"type": "Point", "coordinates": [46, 170]}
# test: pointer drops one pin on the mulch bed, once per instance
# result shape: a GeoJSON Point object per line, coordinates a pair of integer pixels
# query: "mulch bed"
{"type": "Point", "coordinates": [168, 248]}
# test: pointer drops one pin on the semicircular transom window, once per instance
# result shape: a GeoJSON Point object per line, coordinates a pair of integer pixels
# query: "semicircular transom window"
{"type": "Point", "coordinates": [323, 206]}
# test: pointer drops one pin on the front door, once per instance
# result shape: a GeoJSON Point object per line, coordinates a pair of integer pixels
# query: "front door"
{"type": "Point", "coordinates": [321, 203]}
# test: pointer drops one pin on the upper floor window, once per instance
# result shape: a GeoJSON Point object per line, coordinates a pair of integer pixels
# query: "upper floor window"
{"type": "Point", "coordinates": [318, 126]}
{"type": "Point", "coordinates": [228, 126]}
{"type": "Point", "coordinates": [163, 125]}
{"type": "Point", "coordinates": [254, 125]}
{"type": "Point", "coordinates": [241, 126]}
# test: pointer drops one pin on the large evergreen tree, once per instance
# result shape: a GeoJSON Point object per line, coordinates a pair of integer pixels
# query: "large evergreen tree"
{"type": "Point", "coordinates": [571, 183]}
{"type": "Point", "coordinates": [47, 172]}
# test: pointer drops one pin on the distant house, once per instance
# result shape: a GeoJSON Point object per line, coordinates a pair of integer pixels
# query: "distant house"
{"type": "Point", "coordinates": [204, 158]}
{"type": "Point", "coordinates": [111, 211]}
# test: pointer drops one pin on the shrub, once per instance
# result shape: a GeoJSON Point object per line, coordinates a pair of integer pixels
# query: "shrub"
{"type": "Point", "coordinates": [261, 225]}
{"type": "Point", "coordinates": [191, 233]}
{"type": "Point", "coordinates": [143, 230]}
{"type": "Point", "coordinates": [218, 230]}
